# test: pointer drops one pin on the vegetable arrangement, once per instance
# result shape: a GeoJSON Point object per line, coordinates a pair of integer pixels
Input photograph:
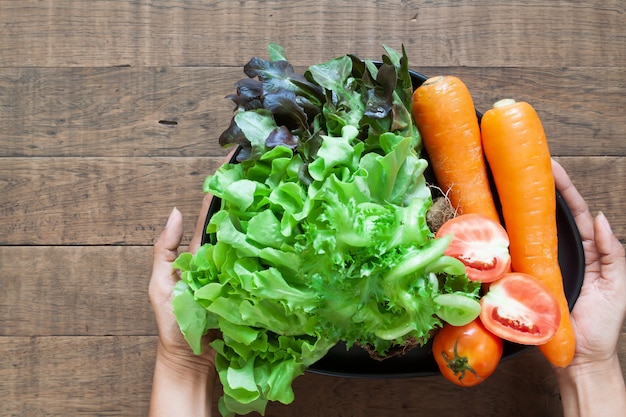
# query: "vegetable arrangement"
{"type": "Point", "coordinates": [322, 234]}
{"type": "Point", "coordinates": [527, 305]}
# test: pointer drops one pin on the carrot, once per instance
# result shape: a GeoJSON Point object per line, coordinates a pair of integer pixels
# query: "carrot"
{"type": "Point", "coordinates": [444, 112]}
{"type": "Point", "coordinates": [517, 152]}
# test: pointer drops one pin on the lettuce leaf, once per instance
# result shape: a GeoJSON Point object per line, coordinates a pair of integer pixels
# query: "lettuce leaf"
{"type": "Point", "coordinates": [321, 235]}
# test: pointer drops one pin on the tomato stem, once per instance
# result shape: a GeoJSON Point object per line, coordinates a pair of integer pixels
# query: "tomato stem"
{"type": "Point", "coordinates": [458, 364]}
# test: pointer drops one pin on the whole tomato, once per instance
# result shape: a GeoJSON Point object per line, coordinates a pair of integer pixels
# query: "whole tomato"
{"type": "Point", "coordinates": [467, 355]}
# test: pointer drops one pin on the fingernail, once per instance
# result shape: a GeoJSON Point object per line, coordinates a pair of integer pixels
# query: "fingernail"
{"type": "Point", "coordinates": [169, 219]}
{"type": "Point", "coordinates": [604, 222]}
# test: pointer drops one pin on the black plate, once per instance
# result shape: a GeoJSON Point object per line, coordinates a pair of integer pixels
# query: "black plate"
{"type": "Point", "coordinates": [418, 362]}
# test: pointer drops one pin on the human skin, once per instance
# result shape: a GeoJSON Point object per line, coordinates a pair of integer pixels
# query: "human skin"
{"type": "Point", "coordinates": [183, 382]}
{"type": "Point", "coordinates": [593, 383]}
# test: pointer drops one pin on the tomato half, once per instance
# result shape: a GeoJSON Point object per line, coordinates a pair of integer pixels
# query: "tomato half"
{"type": "Point", "coordinates": [520, 308]}
{"type": "Point", "coordinates": [480, 243]}
{"type": "Point", "coordinates": [467, 355]}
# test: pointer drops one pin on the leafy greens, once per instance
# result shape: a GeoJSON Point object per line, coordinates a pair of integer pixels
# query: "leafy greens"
{"type": "Point", "coordinates": [321, 236]}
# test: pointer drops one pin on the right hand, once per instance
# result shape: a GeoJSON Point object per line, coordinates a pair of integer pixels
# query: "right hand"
{"type": "Point", "coordinates": [600, 310]}
{"type": "Point", "coordinates": [172, 345]}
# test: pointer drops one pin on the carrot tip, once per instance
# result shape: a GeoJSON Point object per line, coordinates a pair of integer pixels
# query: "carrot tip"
{"type": "Point", "coordinates": [503, 103]}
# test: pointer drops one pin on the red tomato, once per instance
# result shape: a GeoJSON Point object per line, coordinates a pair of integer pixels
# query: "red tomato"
{"type": "Point", "coordinates": [520, 308]}
{"type": "Point", "coordinates": [480, 243]}
{"type": "Point", "coordinates": [467, 355]}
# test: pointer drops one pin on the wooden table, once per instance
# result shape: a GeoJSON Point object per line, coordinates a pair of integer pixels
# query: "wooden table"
{"type": "Point", "coordinates": [109, 114]}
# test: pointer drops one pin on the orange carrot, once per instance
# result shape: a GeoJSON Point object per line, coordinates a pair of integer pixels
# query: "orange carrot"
{"type": "Point", "coordinates": [517, 152]}
{"type": "Point", "coordinates": [444, 112]}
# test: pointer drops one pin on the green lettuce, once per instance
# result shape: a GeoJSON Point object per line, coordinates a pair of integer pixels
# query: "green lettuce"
{"type": "Point", "coordinates": [321, 235]}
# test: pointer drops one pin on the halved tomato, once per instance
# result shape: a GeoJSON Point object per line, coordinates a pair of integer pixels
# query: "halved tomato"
{"type": "Point", "coordinates": [480, 243]}
{"type": "Point", "coordinates": [520, 308]}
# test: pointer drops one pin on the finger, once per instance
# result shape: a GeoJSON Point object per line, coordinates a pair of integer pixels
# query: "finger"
{"type": "Point", "coordinates": [612, 259]}
{"type": "Point", "coordinates": [199, 231]}
{"type": "Point", "coordinates": [166, 246]}
{"type": "Point", "coordinates": [575, 202]}
{"type": "Point", "coordinates": [165, 252]}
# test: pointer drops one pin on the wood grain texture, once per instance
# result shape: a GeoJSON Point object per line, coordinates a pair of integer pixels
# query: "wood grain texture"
{"type": "Point", "coordinates": [183, 33]}
{"type": "Point", "coordinates": [76, 376]}
{"type": "Point", "coordinates": [113, 201]}
{"type": "Point", "coordinates": [125, 112]}
{"type": "Point", "coordinates": [182, 111]}
{"type": "Point", "coordinates": [76, 291]}
{"type": "Point", "coordinates": [97, 201]}
{"type": "Point", "coordinates": [79, 291]}
{"type": "Point", "coordinates": [109, 112]}
{"type": "Point", "coordinates": [112, 376]}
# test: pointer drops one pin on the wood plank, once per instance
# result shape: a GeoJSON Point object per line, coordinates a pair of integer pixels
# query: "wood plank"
{"type": "Point", "coordinates": [124, 201]}
{"type": "Point", "coordinates": [182, 111]}
{"type": "Point", "coordinates": [602, 183]}
{"type": "Point", "coordinates": [76, 291]}
{"type": "Point", "coordinates": [61, 33]}
{"type": "Point", "coordinates": [97, 201]}
{"type": "Point", "coordinates": [76, 376]}
{"type": "Point", "coordinates": [122, 112]}
{"type": "Point", "coordinates": [112, 376]}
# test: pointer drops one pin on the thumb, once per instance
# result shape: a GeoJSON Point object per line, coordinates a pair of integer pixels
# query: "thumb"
{"type": "Point", "coordinates": [166, 250]}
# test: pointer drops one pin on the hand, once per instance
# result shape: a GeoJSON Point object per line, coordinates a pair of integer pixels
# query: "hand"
{"type": "Point", "coordinates": [183, 382]}
{"type": "Point", "coordinates": [593, 383]}
{"type": "Point", "coordinates": [171, 340]}
{"type": "Point", "coordinates": [601, 307]}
